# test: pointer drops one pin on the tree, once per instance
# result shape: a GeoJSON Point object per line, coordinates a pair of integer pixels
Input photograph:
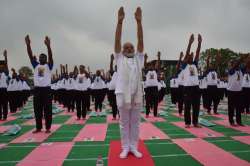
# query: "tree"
{"type": "Point", "coordinates": [226, 56]}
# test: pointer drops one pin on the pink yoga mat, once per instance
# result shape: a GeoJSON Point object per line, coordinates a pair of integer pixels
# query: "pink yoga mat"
{"type": "Point", "coordinates": [148, 131]}
{"type": "Point", "coordinates": [4, 128]}
{"type": "Point", "coordinates": [208, 154]}
{"type": "Point", "coordinates": [92, 132]}
{"type": "Point", "coordinates": [73, 120]}
{"type": "Point", "coordinates": [110, 119]}
{"type": "Point", "coordinates": [50, 154]}
{"type": "Point", "coordinates": [115, 150]}
{"type": "Point", "coordinates": [244, 129]}
{"type": "Point", "coordinates": [2, 146]}
{"type": "Point", "coordinates": [243, 139]}
{"type": "Point", "coordinates": [222, 116]}
{"type": "Point", "coordinates": [32, 122]}
{"type": "Point", "coordinates": [10, 118]}
{"type": "Point", "coordinates": [151, 118]}
{"type": "Point", "coordinates": [203, 132]}
{"type": "Point", "coordinates": [38, 137]}
{"type": "Point", "coordinates": [178, 115]}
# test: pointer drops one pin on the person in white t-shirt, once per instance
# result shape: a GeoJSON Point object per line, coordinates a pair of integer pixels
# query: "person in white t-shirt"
{"type": "Point", "coordinates": [42, 82]}
{"type": "Point", "coordinates": [212, 81]}
{"type": "Point", "coordinates": [191, 84]}
{"type": "Point", "coordinates": [180, 82]}
{"type": "Point", "coordinates": [128, 88]}
{"type": "Point", "coordinates": [98, 87]}
{"type": "Point", "coordinates": [246, 87]}
{"type": "Point", "coordinates": [111, 88]}
{"type": "Point", "coordinates": [151, 85]}
{"type": "Point", "coordinates": [162, 87]}
{"type": "Point", "coordinates": [4, 72]}
{"type": "Point", "coordinates": [203, 90]}
{"type": "Point", "coordinates": [83, 84]}
{"type": "Point", "coordinates": [13, 91]}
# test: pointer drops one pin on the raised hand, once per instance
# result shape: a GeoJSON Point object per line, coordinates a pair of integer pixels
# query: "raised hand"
{"type": "Point", "coordinates": [145, 56]}
{"type": "Point", "coordinates": [181, 55]}
{"type": "Point", "coordinates": [138, 14]}
{"type": "Point", "coordinates": [199, 38]}
{"type": "Point", "coordinates": [5, 53]}
{"type": "Point", "coordinates": [47, 41]}
{"type": "Point", "coordinates": [112, 57]}
{"type": "Point", "coordinates": [191, 39]}
{"type": "Point", "coordinates": [27, 40]}
{"type": "Point", "coordinates": [121, 14]}
{"type": "Point", "coordinates": [159, 54]}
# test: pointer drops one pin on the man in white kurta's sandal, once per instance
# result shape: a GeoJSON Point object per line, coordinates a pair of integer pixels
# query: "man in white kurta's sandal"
{"type": "Point", "coordinates": [128, 85]}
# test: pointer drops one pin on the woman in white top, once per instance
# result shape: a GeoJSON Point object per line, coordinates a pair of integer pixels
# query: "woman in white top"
{"type": "Point", "coordinates": [191, 84]}
{"type": "Point", "coordinates": [128, 89]}
{"type": "Point", "coordinates": [4, 72]}
{"type": "Point", "coordinates": [162, 86]}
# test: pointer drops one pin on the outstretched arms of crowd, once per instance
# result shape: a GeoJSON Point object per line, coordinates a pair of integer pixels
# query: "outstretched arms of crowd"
{"type": "Point", "coordinates": [197, 56]}
{"type": "Point", "coordinates": [47, 43]}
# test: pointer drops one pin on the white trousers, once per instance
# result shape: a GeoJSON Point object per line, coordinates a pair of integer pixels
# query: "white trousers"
{"type": "Point", "coordinates": [129, 122]}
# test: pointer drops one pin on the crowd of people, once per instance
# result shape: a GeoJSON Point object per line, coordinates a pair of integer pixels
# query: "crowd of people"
{"type": "Point", "coordinates": [126, 85]}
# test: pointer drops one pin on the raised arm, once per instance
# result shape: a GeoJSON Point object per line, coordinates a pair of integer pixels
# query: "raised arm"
{"type": "Point", "coordinates": [191, 40]}
{"type": "Point", "coordinates": [6, 60]}
{"type": "Point", "coordinates": [158, 64]}
{"type": "Point", "coordinates": [197, 56]}
{"type": "Point", "coordinates": [111, 63]}
{"type": "Point", "coordinates": [67, 69]}
{"type": "Point", "coordinates": [29, 50]}
{"type": "Point", "coordinates": [138, 17]}
{"type": "Point", "coordinates": [145, 60]}
{"type": "Point", "coordinates": [179, 61]}
{"type": "Point", "coordinates": [118, 33]}
{"type": "Point", "coordinates": [61, 69]}
{"type": "Point", "coordinates": [47, 43]}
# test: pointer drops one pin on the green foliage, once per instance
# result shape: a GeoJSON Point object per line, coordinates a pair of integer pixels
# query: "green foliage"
{"type": "Point", "coordinates": [226, 56]}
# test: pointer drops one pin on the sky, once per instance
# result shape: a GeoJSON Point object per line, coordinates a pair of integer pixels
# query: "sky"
{"type": "Point", "coordinates": [82, 31]}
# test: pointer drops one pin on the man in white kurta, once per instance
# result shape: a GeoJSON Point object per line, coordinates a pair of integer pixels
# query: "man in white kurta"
{"type": "Point", "coordinates": [128, 89]}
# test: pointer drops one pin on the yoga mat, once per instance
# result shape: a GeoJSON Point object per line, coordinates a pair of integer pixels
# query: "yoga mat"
{"type": "Point", "coordinates": [148, 131]}
{"type": "Point", "coordinates": [199, 132]}
{"type": "Point", "coordinates": [10, 118]}
{"type": "Point", "coordinates": [243, 139]}
{"type": "Point", "coordinates": [209, 154]}
{"type": "Point", "coordinates": [244, 129]}
{"type": "Point", "coordinates": [92, 132]}
{"type": "Point", "coordinates": [110, 117]}
{"type": "Point", "coordinates": [73, 120]}
{"type": "Point", "coordinates": [115, 150]}
{"type": "Point", "coordinates": [222, 116]}
{"type": "Point", "coordinates": [151, 118]}
{"type": "Point", "coordinates": [47, 154]}
{"type": "Point", "coordinates": [38, 137]}
{"type": "Point", "coordinates": [32, 122]}
{"type": "Point", "coordinates": [4, 128]}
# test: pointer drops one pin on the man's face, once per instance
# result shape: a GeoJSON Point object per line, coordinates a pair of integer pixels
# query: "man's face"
{"type": "Point", "coordinates": [43, 59]}
{"type": "Point", "coordinates": [128, 49]}
{"type": "Point", "coordinates": [98, 73]}
{"type": "Point", "coordinates": [82, 69]}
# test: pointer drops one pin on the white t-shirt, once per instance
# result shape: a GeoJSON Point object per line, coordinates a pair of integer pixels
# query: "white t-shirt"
{"type": "Point", "coordinates": [151, 79]}
{"type": "Point", "coordinates": [235, 78]}
{"type": "Point", "coordinates": [3, 80]}
{"type": "Point", "coordinates": [130, 76]}
{"type": "Point", "coordinates": [25, 86]}
{"type": "Point", "coordinates": [12, 85]}
{"type": "Point", "coordinates": [174, 83]}
{"type": "Point", "coordinates": [82, 82]}
{"type": "Point", "coordinates": [220, 84]}
{"type": "Point", "coordinates": [203, 83]}
{"type": "Point", "coordinates": [181, 78]}
{"type": "Point", "coordinates": [112, 83]}
{"type": "Point", "coordinates": [70, 84]}
{"type": "Point", "coordinates": [161, 84]}
{"type": "Point", "coordinates": [212, 78]}
{"type": "Point", "coordinates": [98, 83]}
{"type": "Point", "coordinates": [190, 73]}
{"type": "Point", "coordinates": [42, 75]}
{"type": "Point", "coordinates": [246, 80]}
